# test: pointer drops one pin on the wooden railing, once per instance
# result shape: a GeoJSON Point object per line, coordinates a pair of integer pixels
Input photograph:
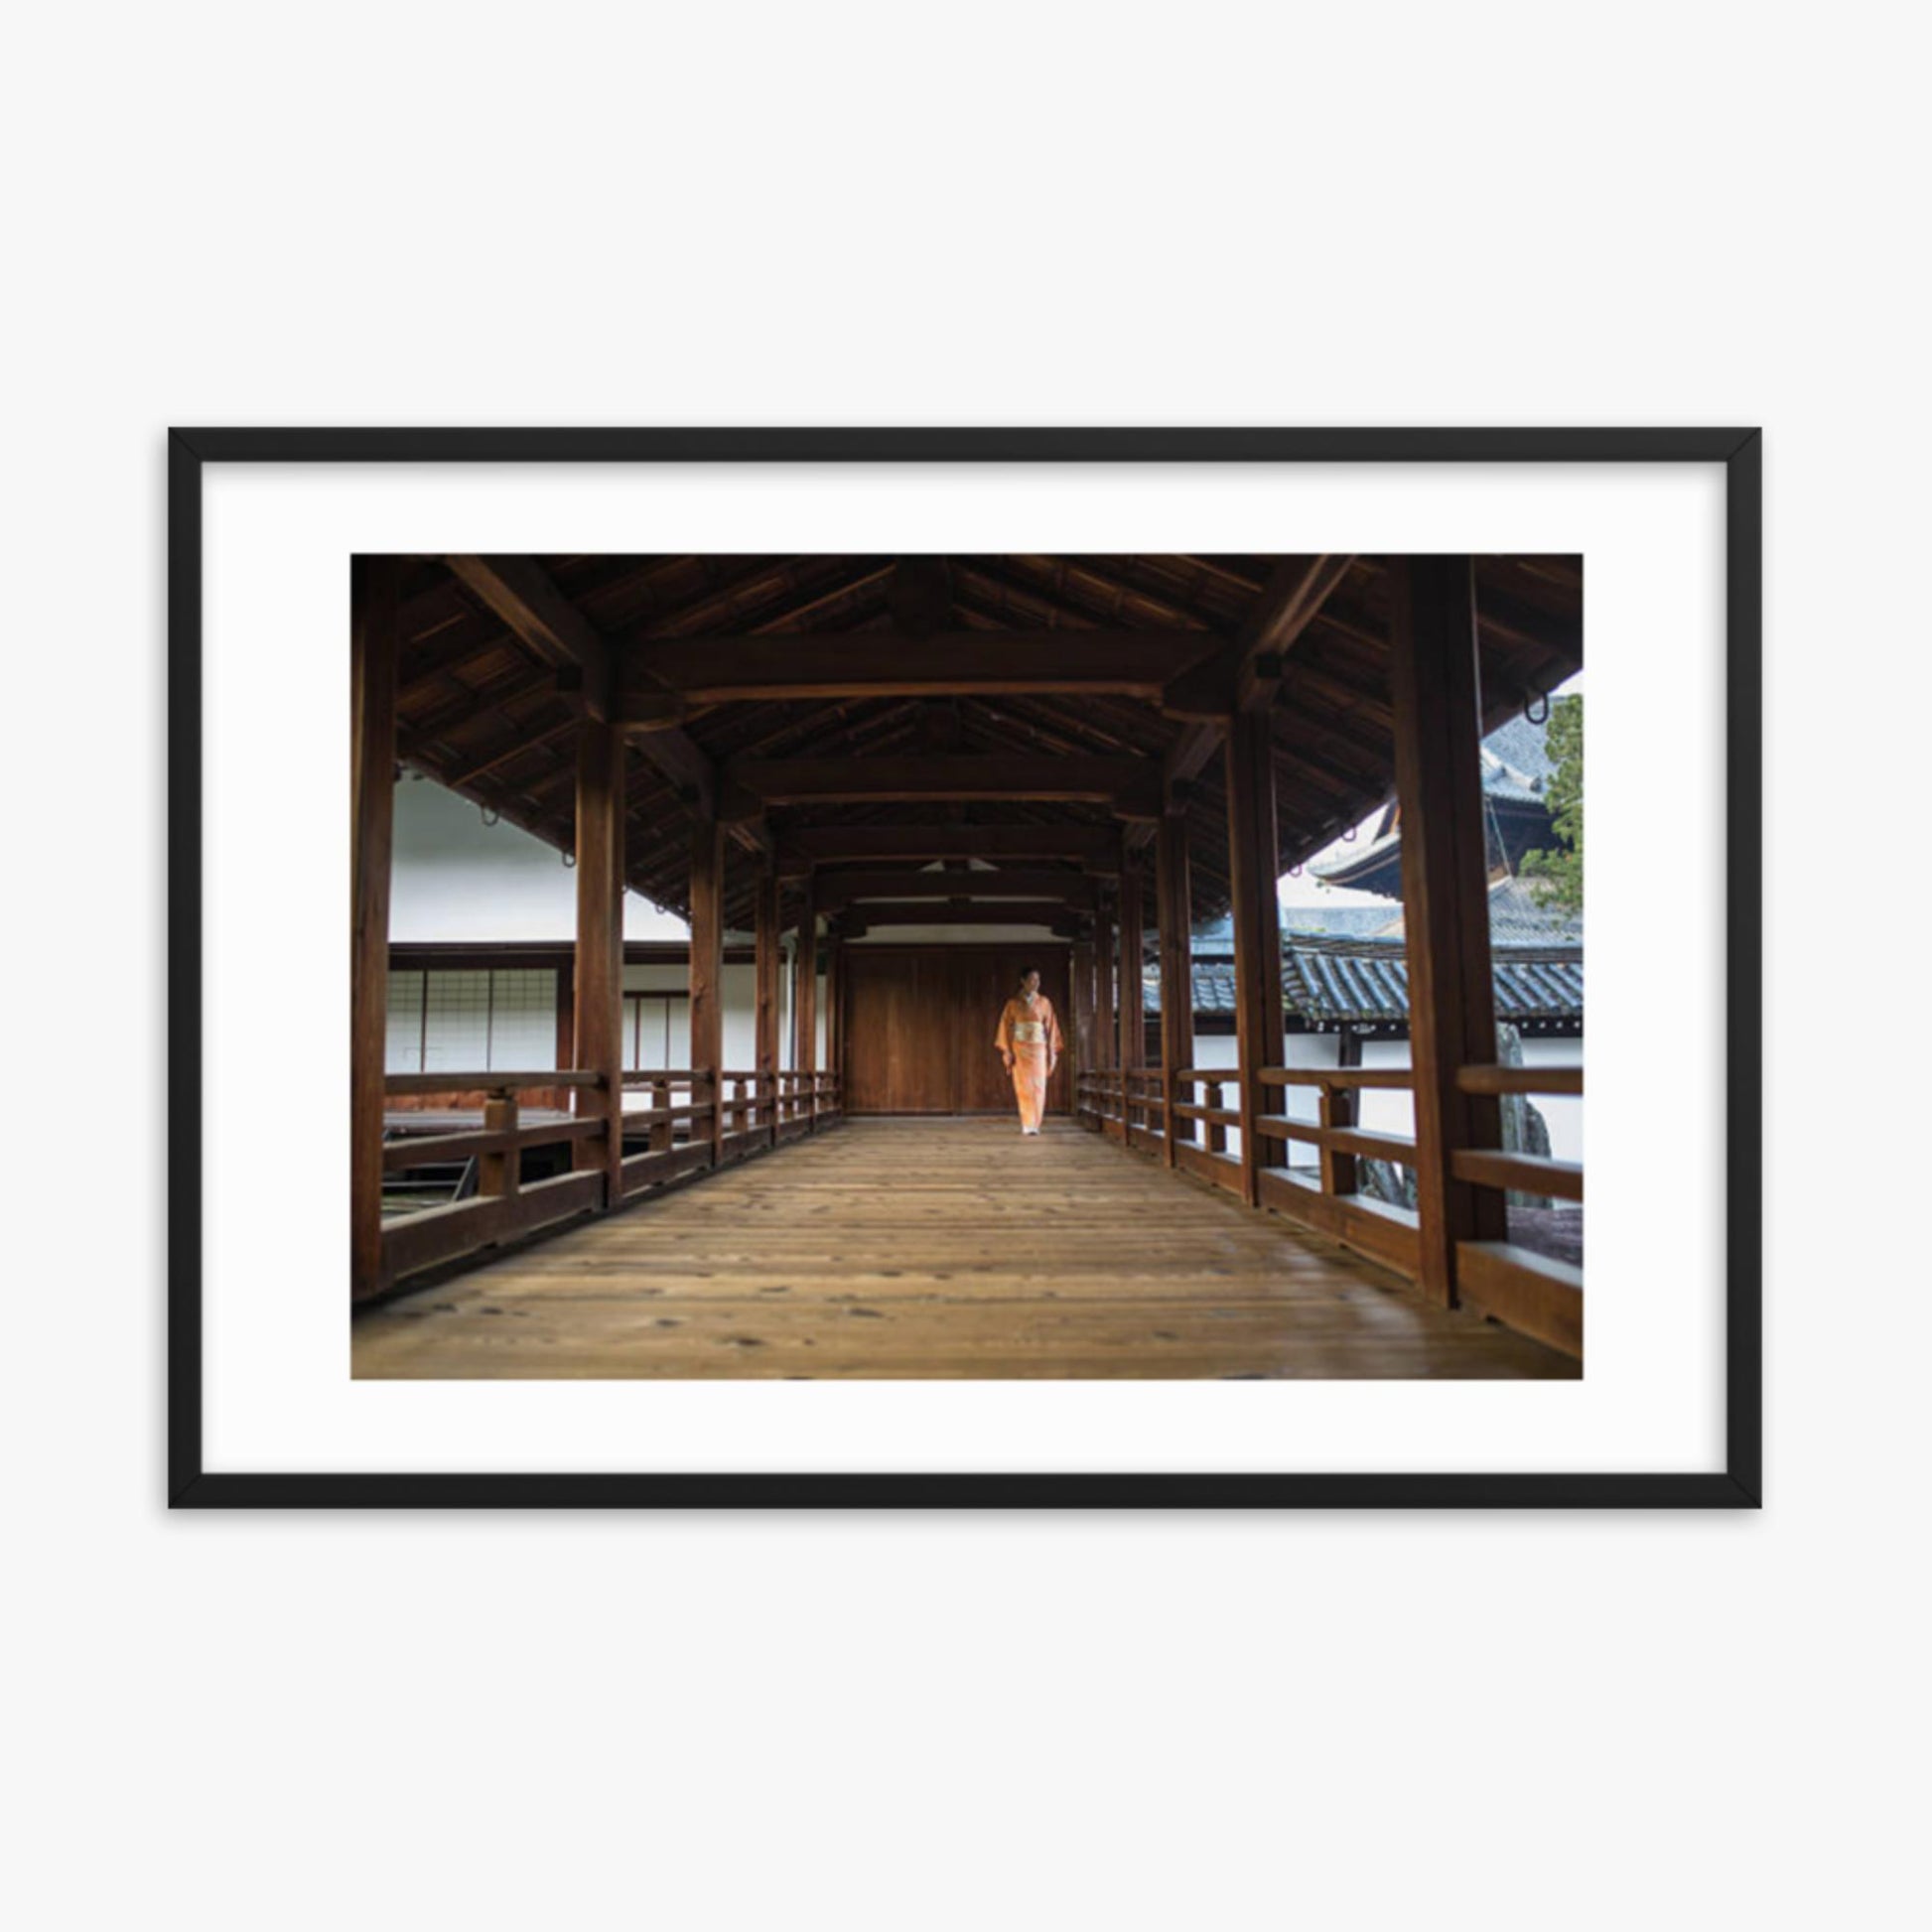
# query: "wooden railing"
{"type": "Point", "coordinates": [1199, 1097]}
{"type": "Point", "coordinates": [1535, 1293]}
{"type": "Point", "coordinates": [1531, 1292]}
{"type": "Point", "coordinates": [695, 1121]}
{"type": "Point", "coordinates": [503, 1207]}
{"type": "Point", "coordinates": [805, 1100]}
{"type": "Point", "coordinates": [1335, 1201]}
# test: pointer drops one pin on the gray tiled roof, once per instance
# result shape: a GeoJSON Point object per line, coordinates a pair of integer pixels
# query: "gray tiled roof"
{"type": "Point", "coordinates": [1366, 983]}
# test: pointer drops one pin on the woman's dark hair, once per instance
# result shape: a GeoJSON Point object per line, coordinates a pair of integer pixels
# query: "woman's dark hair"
{"type": "Point", "coordinates": [1026, 970]}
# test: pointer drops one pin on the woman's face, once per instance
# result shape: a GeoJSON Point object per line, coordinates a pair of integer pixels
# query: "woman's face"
{"type": "Point", "coordinates": [1030, 985]}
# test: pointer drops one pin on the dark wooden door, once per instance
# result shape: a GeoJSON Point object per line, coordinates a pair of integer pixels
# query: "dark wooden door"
{"type": "Point", "coordinates": [918, 1027]}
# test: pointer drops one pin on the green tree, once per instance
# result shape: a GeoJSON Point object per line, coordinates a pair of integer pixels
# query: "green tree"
{"type": "Point", "coordinates": [1558, 874]}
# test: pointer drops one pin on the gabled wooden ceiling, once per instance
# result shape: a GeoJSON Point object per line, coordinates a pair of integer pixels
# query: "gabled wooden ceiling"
{"type": "Point", "coordinates": [486, 710]}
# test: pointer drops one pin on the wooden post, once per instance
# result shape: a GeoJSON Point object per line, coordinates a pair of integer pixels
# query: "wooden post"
{"type": "Point", "coordinates": [1173, 905]}
{"type": "Point", "coordinates": [834, 1005]}
{"type": "Point", "coordinates": [766, 933]}
{"type": "Point", "coordinates": [1444, 902]}
{"type": "Point", "coordinates": [566, 1030]}
{"type": "Point", "coordinates": [706, 978]}
{"type": "Point", "coordinates": [805, 1050]}
{"type": "Point", "coordinates": [1133, 994]}
{"type": "Point", "coordinates": [1338, 1171]}
{"type": "Point", "coordinates": [1081, 967]}
{"type": "Point", "coordinates": [1103, 987]}
{"type": "Point", "coordinates": [374, 642]}
{"type": "Point", "coordinates": [499, 1175]}
{"type": "Point", "coordinates": [1341, 1107]}
{"type": "Point", "coordinates": [1254, 883]}
{"type": "Point", "coordinates": [599, 969]}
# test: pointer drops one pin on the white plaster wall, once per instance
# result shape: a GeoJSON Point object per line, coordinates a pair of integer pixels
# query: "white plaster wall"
{"type": "Point", "coordinates": [1564, 1115]}
{"type": "Point", "coordinates": [454, 877]}
{"type": "Point", "coordinates": [1386, 1110]}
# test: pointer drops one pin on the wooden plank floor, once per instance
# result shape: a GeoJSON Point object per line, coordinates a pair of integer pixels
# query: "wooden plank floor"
{"type": "Point", "coordinates": [918, 1248]}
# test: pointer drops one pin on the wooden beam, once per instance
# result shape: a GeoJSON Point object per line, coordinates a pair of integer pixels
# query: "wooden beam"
{"type": "Point", "coordinates": [1446, 903]}
{"type": "Point", "coordinates": [1116, 781]}
{"type": "Point", "coordinates": [523, 594]}
{"type": "Point", "coordinates": [705, 976]}
{"type": "Point", "coordinates": [839, 889]}
{"type": "Point", "coordinates": [598, 971]}
{"type": "Point", "coordinates": [893, 664]}
{"type": "Point", "coordinates": [1095, 848]}
{"type": "Point", "coordinates": [375, 650]}
{"type": "Point", "coordinates": [1253, 881]}
{"type": "Point", "coordinates": [520, 592]}
{"type": "Point", "coordinates": [1249, 670]}
{"type": "Point", "coordinates": [1018, 912]}
{"type": "Point", "coordinates": [1295, 591]}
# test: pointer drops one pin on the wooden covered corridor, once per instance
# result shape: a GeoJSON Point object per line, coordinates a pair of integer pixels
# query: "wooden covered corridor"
{"type": "Point", "coordinates": [943, 1248]}
{"type": "Point", "coordinates": [1099, 750]}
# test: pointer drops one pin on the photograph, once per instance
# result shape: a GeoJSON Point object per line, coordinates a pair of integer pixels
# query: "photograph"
{"type": "Point", "coordinates": [966, 966]}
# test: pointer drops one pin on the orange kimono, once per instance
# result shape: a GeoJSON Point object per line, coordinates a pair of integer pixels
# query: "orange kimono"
{"type": "Point", "coordinates": [1029, 1037]}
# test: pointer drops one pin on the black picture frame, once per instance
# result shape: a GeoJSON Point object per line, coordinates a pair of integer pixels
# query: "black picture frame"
{"type": "Point", "coordinates": [1740, 1484]}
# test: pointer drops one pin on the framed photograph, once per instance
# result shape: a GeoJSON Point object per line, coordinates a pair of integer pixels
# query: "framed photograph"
{"type": "Point", "coordinates": [946, 968]}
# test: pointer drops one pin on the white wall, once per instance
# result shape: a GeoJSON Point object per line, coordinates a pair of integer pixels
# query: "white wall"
{"type": "Point", "coordinates": [454, 877]}
{"type": "Point", "coordinates": [1562, 1114]}
{"type": "Point", "coordinates": [1298, 1103]}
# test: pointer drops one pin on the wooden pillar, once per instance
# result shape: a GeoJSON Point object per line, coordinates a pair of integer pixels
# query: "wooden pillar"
{"type": "Point", "coordinates": [1103, 986]}
{"type": "Point", "coordinates": [1081, 967]}
{"type": "Point", "coordinates": [567, 1029]}
{"type": "Point", "coordinates": [766, 934]}
{"type": "Point", "coordinates": [597, 972]}
{"type": "Point", "coordinates": [1444, 902]}
{"type": "Point", "coordinates": [706, 978]}
{"type": "Point", "coordinates": [1174, 907]}
{"type": "Point", "coordinates": [373, 646]}
{"type": "Point", "coordinates": [805, 1050]}
{"type": "Point", "coordinates": [500, 1176]}
{"type": "Point", "coordinates": [1133, 994]}
{"type": "Point", "coordinates": [834, 1005]}
{"type": "Point", "coordinates": [1253, 881]}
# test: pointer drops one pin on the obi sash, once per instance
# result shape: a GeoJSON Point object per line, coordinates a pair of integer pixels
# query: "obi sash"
{"type": "Point", "coordinates": [1029, 1033]}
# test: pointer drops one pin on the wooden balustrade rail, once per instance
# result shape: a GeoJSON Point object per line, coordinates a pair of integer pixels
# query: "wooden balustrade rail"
{"type": "Point", "coordinates": [1531, 1292]}
{"type": "Point", "coordinates": [572, 1078]}
{"type": "Point", "coordinates": [1528, 1290]}
{"type": "Point", "coordinates": [729, 1114]}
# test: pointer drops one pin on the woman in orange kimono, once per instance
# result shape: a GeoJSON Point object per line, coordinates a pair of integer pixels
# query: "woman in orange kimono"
{"type": "Point", "coordinates": [1029, 1039]}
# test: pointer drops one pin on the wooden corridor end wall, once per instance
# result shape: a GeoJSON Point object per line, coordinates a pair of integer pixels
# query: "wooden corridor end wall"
{"type": "Point", "coordinates": [918, 1020]}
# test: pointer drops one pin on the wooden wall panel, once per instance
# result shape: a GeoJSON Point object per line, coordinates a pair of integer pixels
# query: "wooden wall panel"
{"type": "Point", "coordinates": [918, 1027]}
